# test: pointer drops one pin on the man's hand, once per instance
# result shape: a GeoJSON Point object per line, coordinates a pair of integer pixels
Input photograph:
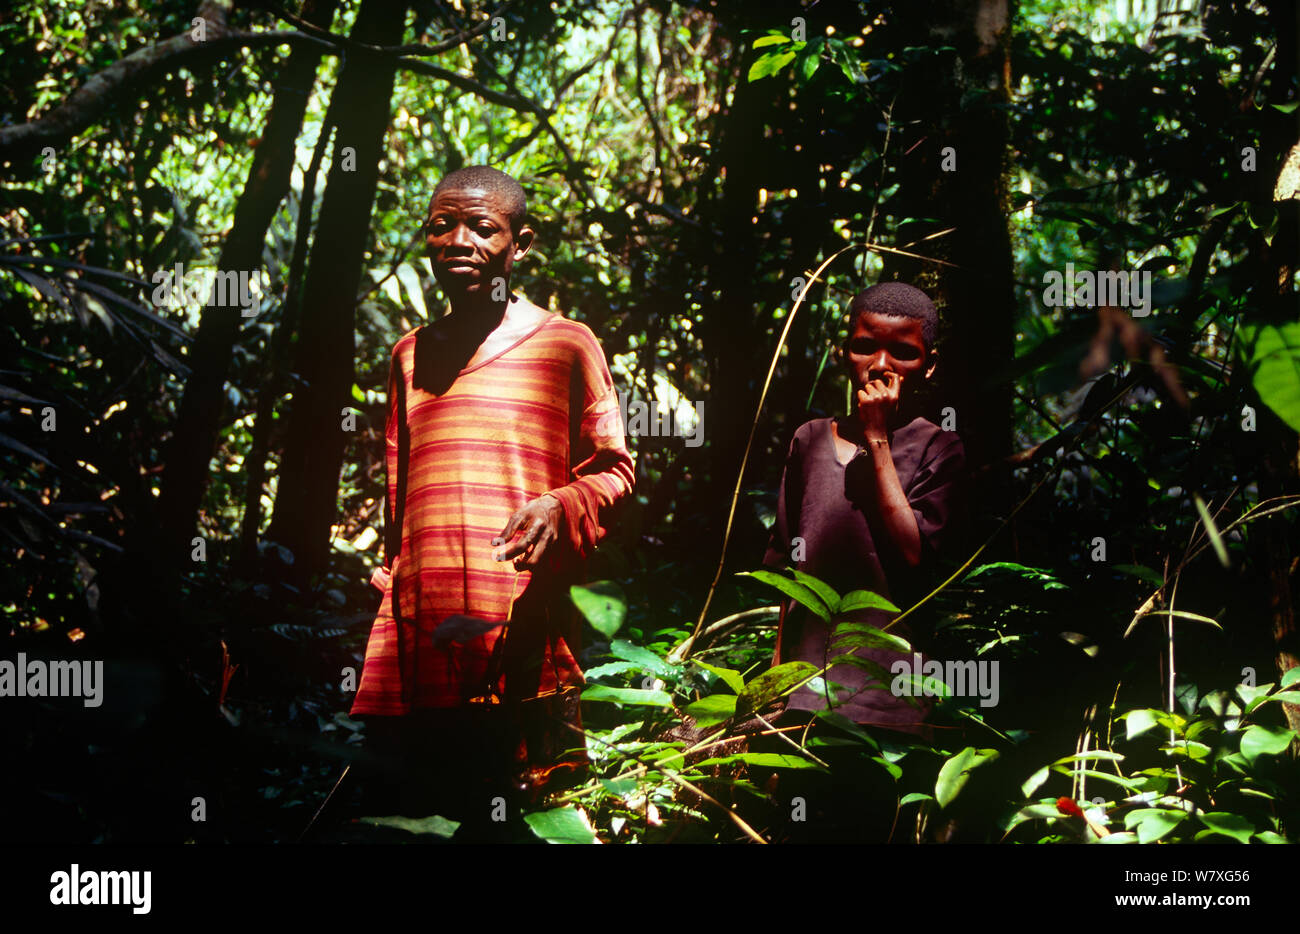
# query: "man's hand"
{"type": "Point", "coordinates": [537, 526]}
{"type": "Point", "coordinates": [877, 402]}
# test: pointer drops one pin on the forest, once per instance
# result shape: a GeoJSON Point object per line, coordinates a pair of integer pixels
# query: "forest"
{"type": "Point", "coordinates": [212, 218]}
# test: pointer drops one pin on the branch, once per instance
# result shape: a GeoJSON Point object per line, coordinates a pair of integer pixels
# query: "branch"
{"type": "Point", "coordinates": [343, 42]}
{"type": "Point", "coordinates": [58, 126]}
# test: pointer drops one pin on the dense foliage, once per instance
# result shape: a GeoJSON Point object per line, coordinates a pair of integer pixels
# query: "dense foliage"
{"type": "Point", "coordinates": [689, 167]}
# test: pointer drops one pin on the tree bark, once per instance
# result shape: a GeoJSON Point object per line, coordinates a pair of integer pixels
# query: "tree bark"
{"type": "Point", "coordinates": [306, 502]}
{"type": "Point", "coordinates": [960, 103]}
{"type": "Point", "coordinates": [199, 418]}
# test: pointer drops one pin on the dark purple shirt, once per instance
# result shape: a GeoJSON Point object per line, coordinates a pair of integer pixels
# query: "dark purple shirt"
{"type": "Point", "coordinates": [822, 502]}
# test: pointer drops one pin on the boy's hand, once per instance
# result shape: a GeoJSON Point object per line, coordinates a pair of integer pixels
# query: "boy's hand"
{"type": "Point", "coordinates": [877, 401]}
{"type": "Point", "coordinates": [538, 526]}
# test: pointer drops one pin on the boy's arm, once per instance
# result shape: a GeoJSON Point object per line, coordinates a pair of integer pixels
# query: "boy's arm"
{"type": "Point", "coordinates": [876, 402]}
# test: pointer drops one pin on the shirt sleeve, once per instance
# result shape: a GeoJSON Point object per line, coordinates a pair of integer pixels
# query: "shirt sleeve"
{"type": "Point", "coordinates": [603, 471]}
{"type": "Point", "coordinates": [937, 493]}
{"type": "Point", "coordinates": [392, 434]}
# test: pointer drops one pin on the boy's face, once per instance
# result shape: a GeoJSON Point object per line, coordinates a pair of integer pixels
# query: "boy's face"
{"type": "Point", "coordinates": [880, 344]}
{"type": "Point", "coordinates": [469, 242]}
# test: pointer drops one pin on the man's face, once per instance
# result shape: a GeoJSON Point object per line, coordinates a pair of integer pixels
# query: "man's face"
{"type": "Point", "coordinates": [880, 344]}
{"type": "Point", "coordinates": [469, 243]}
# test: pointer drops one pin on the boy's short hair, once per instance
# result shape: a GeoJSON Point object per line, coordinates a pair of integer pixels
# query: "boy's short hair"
{"type": "Point", "coordinates": [490, 180]}
{"type": "Point", "coordinates": [898, 300]}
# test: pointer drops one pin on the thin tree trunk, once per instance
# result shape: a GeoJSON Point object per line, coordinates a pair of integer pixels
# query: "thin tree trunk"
{"type": "Point", "coordinates": [199, 418]}
{"type": "Point", "coordinates": [306, 502]}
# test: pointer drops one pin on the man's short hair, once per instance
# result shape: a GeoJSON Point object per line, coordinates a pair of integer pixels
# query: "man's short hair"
{"type": "Point", "coordinates": [898, 300]}
{"type": "Point", "coordinates": [491, 180]}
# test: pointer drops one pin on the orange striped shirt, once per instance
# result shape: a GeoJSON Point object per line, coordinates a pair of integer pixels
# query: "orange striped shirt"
{"type": "Point", "coordinates": [539, 417]}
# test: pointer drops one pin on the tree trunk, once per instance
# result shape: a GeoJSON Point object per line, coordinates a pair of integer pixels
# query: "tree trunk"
{"type": "Point", "coordinates": [199, 418]}
{"type": "Point", "coordinates": [959, 105]}
{"type": "Point", "coordinates": [306, 502]}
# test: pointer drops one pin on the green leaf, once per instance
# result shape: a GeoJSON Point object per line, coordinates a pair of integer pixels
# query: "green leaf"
{"type": "Point", "coordinates": [914, 796]}
{"type": "Point", "coordinates": [643, 657]}
{"type": "Point", "coordinates": [1142, 572]}
{"type": "Point", "coordinates": [839, 721]}
{"type": "Point", "coordinates": [1230, 825]}
{"type": "Point", "coordinates": [1138, 721]}
{"type": "Point", "coordinates": [434, 826]}
{"type": "Point", "coordinates": [1268, 836]}
{"type": "Point", "coordinates": [799, 592]}
{"type": "Point", "coordinates": [810, 61]}
{"type": "Point", "coordinates": [1290, 677]}
{"type": "Point", "coordinates": [774, 39]}
{"type": "Point", "coordinates": [1035, 781]}
{"type": "Point", "coordinates": [770, 685]}
{"type": "Point", "coordinates": [729, 677]}
{"type": "Point", "coordinates": [864, 600]}
{"type": "Point", "coordinates": [609, 668]}
{"type": "Point", "coordinates": [1259, 740]}
{"type": "Point", "coordinates": [1153, 823]}
{"type": "Point", "coordinates": [1212, 530]}
{"type": "Point", "coordinates": [560, 825]}
{"type": "Point", "coordinates": [1286, 108]}
{"type": "Point", "coordinates": [1274, 358]}
{"type": "Point", "coordinates": [603, 605]}
{"type": "Point", "coordinates": [712, 710]}
{"type": "Point", "coordinates": [357, 393]}
{"type": "Point", "coordinates": [848, 636]}
{"type": "Point", "coordinates": [825, 591]}
{"type": "Point", "coordinates": [1086, 756]}
{"type": "Point", "coordinates": [603, 692]}
{"type": "Point", "coordinates": [768, 760]}
{"type": "Point", "coordinates": [954, 773]}
{"type": "Point", "coordinates": [769, 64]}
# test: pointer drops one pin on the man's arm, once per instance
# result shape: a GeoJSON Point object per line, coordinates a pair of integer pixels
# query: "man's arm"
{"type": "Point", "coordinates": [578, 513]}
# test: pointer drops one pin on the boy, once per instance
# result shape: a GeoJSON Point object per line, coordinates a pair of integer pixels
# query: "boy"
{"type": "Point", "coordinates": [867, 502]}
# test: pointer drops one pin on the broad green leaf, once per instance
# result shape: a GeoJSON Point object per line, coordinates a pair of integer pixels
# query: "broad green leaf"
{"type": "Point", "coordinates": [603, 605]}
{"type": "Point", "coordinates": [799, 592]}
{"type": "Point", "coordinates": [914, 796]}
{"type": "Point", "coordinates": [839, 721]}
{"type": "Point", "coordinates": [433, 826]}
{"type": "Point", "coordinates": [1142, 572]}
{"type": "Point", "coordinates": [825, 591]}
{"type": "Point", "coordinates": [1261, 740]}
{"type": "Point", "coordinates": [1087, 756]}
{"type": "Point", "coordinates": [1212, 530]}
{"type": "Point", "coordinates": [643, 657]}
{"type": "Point", "coordinates": [770, 760]}
{"type": "Point", "coordinates": [1138, 721]}
{"type": "Point", "coordinates": [1285, 697]}
{"type": "Point", "coordinates": [1040, 811]}
{"type": "Point", "coordinates": [603, 692]}
{"type": "Point", "coordinates": [712, 710]}
{"type": "Point", "coordinates": [1290, 677]}
{"type": "Point", "coordinates": [1287, 108]}
{"type": "Point", "coordinates": [560, 825]}
{"type": "Point", "coordinates": [864, 600]}
{"type": "Point", "coordinates": [1153, 823]}
{"type": "Point", "coordinates": [358, 394]}
{"type": "Point", "coordinates": [1035, 781]}
{"type": "Point", "coordinates": [1275, 365]}
{"type": "Point", "coordinates": [609, 668]}
{"type": "Point", "coordinates": [769, 64]}
{"type": "Point", "coordinates": [954, 773]}
{"type": "Point", "coordinates": [1268, 836]}
{"type": "Point", "coordinates": [775, 39]}
{"type": "Point", "coordinates": [770, 685]}
{"type": "Point", "coordinates": [849, 636]}
{"type": "Point", "coordinates": [1230, 825]}
{"type": "Point", "coordinates": [728, 676]}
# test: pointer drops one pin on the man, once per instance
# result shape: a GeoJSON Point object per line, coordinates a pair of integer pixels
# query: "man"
{"type": "Point", "coordinates": [506, 456]}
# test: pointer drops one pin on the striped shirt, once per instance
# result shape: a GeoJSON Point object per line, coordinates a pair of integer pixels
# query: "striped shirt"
{"type": "Point", "coordinates": [539, 417]}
